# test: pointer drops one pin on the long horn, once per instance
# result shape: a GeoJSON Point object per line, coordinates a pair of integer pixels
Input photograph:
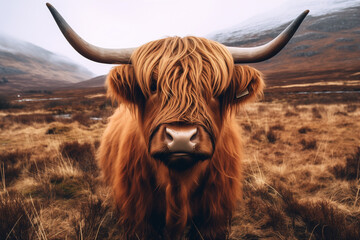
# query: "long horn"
{"type": "Point", "coordinates": [94, 53]}
{"type": "Point", "coordinates": [266, 51]}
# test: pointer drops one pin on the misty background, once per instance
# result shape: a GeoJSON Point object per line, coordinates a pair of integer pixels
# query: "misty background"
{"type": "Point", "coordinates": [117, 24]}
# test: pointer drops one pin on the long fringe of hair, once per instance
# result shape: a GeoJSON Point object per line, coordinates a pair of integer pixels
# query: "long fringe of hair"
{"type": "Point", "coordinates": [187, 73]}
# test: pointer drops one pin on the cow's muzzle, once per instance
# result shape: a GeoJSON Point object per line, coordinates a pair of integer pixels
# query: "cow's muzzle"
{"type": "Point", "coordinates": [181, 146]}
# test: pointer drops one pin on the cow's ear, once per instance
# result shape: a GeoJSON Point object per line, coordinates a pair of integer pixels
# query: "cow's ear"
{"type": "Point", "coordinates": [248, 84]}
{"type": "Point", "coordinates": [122, 84]}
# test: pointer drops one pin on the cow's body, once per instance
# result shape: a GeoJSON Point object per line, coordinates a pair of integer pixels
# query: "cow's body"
{"type": "Point", "coordinates": [171, 153]}
{"type": "Point", "coordinates": [153, 197]}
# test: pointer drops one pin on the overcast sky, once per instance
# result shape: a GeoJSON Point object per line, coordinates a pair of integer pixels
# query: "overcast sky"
{"type": "Point", "coordinates": [130, 23]}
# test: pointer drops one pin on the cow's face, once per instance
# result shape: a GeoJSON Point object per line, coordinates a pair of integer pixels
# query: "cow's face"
{"type": "Point", "coordinates": [182, 91]}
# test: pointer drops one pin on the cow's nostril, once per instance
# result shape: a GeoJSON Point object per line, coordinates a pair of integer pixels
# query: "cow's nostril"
{"type": "Point", "coordinates": [194, 137]}
{"type": "Point", "coordinates": [168, 137]}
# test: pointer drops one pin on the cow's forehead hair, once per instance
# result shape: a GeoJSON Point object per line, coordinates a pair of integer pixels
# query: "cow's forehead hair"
{"type": "Point", "coordinates": [202, 63]}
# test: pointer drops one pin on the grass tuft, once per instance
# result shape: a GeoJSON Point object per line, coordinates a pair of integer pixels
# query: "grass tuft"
{"type": "Point", "coordinates": [96, 221]}
{"type": "Point", "coordinates": [290, 114]}
{"type": "Point", "coordinates": [351, 108]}
{"type": "Point", "coordinates": [259, 135]}
{"type": "Point", "coordinates": [321, 218]}
{"type": "Point", "coordinates": [308, 144]}
{"type": "Point", "coordinates": [246, 127]}
{"type": "Point", "coordinates": [316, 113]}
{"type": "Point", "coordinates": [13, 163]}
{"type": "Point", "coordinates": [278, 127]}
{"type": "Point", "coordinates": [58, 130]}
{"type": "Point", "coordinates": [82, 154]}
{"type": "Point", "coordinates": [271, 137]}
{"type": "Point", "coordinates": [67, 188]}
{"type": "Point", "coordinates": [14, 222]}
{"type": "Point", "coordinates": [82, 118]}
{"type": "Point", "coordinates": [351, 169]}
{"type": "Point", "coordinates": [304, 130]}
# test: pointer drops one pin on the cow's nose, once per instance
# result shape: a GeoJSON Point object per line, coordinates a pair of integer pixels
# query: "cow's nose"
{"type": "Point", "coordinates": [181, 140]}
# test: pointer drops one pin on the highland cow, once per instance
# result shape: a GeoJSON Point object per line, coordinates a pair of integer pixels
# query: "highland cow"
{"type": "Point", "coordinates": [171, 152]}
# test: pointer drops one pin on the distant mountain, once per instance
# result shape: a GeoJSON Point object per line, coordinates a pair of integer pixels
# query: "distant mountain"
{"type": "Point", "coordinates": [93, 82]}
{"type": "Point", "coordinates": [324, 52]}
{"type": "Point", "coordinates": [289, 10]}
{"type": "Point", "coordinates": [326, 48]}
{"type": "Point", "coordinates": [25, 66]}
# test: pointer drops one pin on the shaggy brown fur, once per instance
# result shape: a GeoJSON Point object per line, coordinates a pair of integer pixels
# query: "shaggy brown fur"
{"type": "Point", "coordinates": [191, 80]}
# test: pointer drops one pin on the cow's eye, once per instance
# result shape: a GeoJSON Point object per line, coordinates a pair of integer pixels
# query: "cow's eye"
{"type": "Point", "coordinates": [153, 86]}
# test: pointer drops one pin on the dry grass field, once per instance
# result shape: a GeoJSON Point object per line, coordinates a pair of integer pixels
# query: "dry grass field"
{"type": "Point", "coordinates": [301, 168]}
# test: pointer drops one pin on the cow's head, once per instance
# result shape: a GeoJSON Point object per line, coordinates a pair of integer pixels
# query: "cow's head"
{"type": "Point", "coordinates": [182, 89]}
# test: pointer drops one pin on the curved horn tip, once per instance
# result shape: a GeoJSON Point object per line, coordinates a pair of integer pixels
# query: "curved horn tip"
{"type": "Point", "coordinates": [304, 13]}
{"type": "Point", "coordinates": [270, 49]}
{"type": "Point", "coordinates": [89, 51]}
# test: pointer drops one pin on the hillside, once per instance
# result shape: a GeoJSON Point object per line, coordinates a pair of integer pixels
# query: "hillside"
{"type": "Point", "coordinates": [324, 52]}
{"type": "Point", "coordinates": [24, 67]}
{"type": "Point", "coordinates": [323, 55]}
{"type": "Point", "coordinates": [98, 81]}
